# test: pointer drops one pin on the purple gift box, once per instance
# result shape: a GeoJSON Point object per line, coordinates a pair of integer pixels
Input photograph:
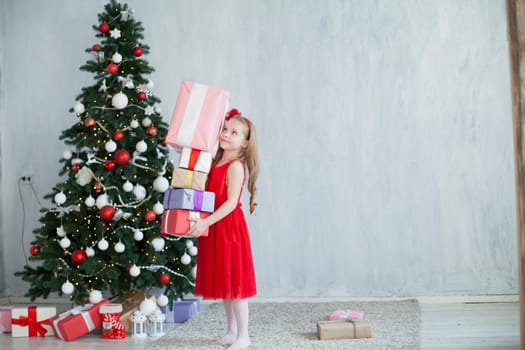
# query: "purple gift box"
{"type": "Point", "coordinates": [189, 199]}
{"type": "Point", "coordinates": [182, 310]}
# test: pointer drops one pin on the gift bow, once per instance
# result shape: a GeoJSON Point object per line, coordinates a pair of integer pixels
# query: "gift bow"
{"type": "Point", "coordinates": [34, 327]}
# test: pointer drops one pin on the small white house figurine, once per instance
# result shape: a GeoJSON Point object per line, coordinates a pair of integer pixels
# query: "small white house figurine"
{"type": "Point", "coordinates": [139, 324]}
{"type": "Point", "coordinates": [156, 323]}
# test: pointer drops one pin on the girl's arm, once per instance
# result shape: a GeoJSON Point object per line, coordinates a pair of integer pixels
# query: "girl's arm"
{"type": "Point", "coordinates": [234, 182]}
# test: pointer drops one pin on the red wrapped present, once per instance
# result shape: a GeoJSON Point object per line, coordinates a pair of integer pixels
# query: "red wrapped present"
{"type": "Point", "coordinates": [32, 321]}
{"type": "Point", "coordinates": [177, 222]}
{"type": "Point", "coordinates": [195, 159]}
{"type": "Point", "coordinates": [190, 199]}
{"type": "Point", "coordinates": [74, 323]}
{"type": "Point", "coordinates": [198, 117]}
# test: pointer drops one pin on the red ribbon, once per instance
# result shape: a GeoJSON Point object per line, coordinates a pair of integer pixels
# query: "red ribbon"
{"type": "Point", "coordinates": [34, 327]}
{"type": "Point", "coordinates": [194, 157]}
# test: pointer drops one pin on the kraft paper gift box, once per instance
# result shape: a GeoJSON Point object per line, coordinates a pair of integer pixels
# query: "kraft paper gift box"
{"type": "Point", "coordinates": [346, 315]}
{"type": "Point", "coordinates": [74, 323]}
{"type": "Point", "coordinates": [184, 178]}
{"type": "Point", "coordinates": [198, 117]}
{"type": "Point", "coordinates": [344, 329]}
{"type": "Point", "coordinates": [195, 159]}
{"type": "Point", "coordinates": [131, 303]}
{"type": "Point", "coordinates": [32, 321]}
{"type": "Point", "coordinates": [177, 222]}
{"type": "Point", "coordinates": [181, 310]}
{"type": "Point", "coordinates": [189, 199]}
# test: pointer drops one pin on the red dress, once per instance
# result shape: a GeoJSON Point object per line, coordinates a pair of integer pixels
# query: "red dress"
{"type": "Point", "coordinates": [224, 262]}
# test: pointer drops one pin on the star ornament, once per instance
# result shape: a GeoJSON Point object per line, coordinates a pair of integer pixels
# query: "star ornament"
{"type": "Point", "coordinates": [149, 110]}
{"type": "Point", "coordinates": [115, 33]}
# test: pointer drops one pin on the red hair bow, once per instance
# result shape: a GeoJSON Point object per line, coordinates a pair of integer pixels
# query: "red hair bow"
{"type": "Point", "coordinates": [233, 112]}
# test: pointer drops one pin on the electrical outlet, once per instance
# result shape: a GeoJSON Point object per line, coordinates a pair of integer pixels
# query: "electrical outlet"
{"type": "Point", "coordinates": [26, 179]}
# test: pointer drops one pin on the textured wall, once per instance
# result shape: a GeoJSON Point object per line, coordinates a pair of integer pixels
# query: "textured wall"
{"type": "Point", "coordinates": [385, 131]}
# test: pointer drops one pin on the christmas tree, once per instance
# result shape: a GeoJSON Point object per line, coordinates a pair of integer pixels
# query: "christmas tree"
{"type": "Point", "coordinates": [102, 232]}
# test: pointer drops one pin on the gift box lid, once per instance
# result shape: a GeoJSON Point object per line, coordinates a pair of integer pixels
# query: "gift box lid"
{"type": "Point", "coordinates": [111, 308]}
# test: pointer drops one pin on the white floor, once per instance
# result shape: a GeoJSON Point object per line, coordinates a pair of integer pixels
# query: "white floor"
{"type": "Point", "coordinates": [446, 323]}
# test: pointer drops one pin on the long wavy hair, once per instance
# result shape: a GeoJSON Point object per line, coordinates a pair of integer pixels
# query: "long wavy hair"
{"type": "Point", "coordinates": [249, 156]}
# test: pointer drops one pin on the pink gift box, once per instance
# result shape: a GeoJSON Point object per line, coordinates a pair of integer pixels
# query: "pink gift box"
{"type": "Point", "coordinates": [32, 321]}
{"type": "Point", "coordinates": [5, 318]}
{"type": "Point", "coordinates": [74, 323]}
{"type": "Point", "coordinates": [346, 315]}
{"type": "Point", "coordinates": [198, 117]}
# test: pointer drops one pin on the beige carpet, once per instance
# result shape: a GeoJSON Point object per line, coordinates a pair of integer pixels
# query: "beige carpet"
{"type": "Point", "coordinates": [395, 325]}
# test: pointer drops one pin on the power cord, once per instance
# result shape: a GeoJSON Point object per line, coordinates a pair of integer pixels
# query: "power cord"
{"type": "Point", "coordinates": [26, 180]}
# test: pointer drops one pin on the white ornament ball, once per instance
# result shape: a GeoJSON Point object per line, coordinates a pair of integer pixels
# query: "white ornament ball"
{"type": "Point", "coordinates": [95, 296]}
{"type": "Point", "coordinates": [193, 251]}
{"type": "Point", "coordinates": [60, 231]}
{"type": "Point", "coordinates": [116, 58]}
{"type": "Point", "coordinates": [67, 154]}
{"type": "Point", "coordinates": [134, 124]}
{"type": "Point", "coordinates": [111, 146]}
{"type": "Point", "coordinates": [138, 235]}
{"type": "Point", "coordinates": [90, 201]}
{"type": "Point", "coordinates": [158, 208]}
{"type": "Point", "coordinates": [76, 161]}
{"type": "Point", "coordinates": [65, 242]}
{"type": "Point", "coordinates": [161, 184]}
{"type": "Point", "coordinates": [185, 259]}
{"type": "Point", "coordinates": [146, 122]}
{"type": "Point", "coordinates": [147, 306]}
{"type": "Point", "coordinates": [189, 243]}
{"type": "Point", "coordinates": [60, 198]}
{"type": "Point", "coordinates": [128, 186]}
{"type": "Point", "coordinates": [119, 100]}
{"type": "Point", "coordinates": [150, 84]}
{"type": "Point", "coordinates": [103, 244]}
{"type": "Point", "coordinates": [102, 201]}
{"type": "Point", "coordinates": [141, 146]}
{"type": "Point", "coordinates": [134, 271]}
{"type": "Point", "coordinates": [158, 243]}
{"type": "Point", "coordinates": [119, 247]}
{"type": "Point", "coordinates": [162, 300]}
{"type": "Point", "coordinates": [89, 251]}
{"type": "Point", "coordinates": [139, 192]}
{"type": "Point", "coordinates": [68, 287]}
{"type": "Point", "coordinates": [79, 108]}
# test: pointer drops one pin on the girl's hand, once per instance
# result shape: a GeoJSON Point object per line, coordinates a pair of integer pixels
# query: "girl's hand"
{"type": "Point", "coordinates": [198, 226]}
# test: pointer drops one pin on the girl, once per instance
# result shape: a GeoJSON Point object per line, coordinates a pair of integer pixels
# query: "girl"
{"type": "Point", "coordinates": [224, 264]}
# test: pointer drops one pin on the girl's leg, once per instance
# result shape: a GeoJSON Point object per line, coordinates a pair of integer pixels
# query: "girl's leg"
{"type": "Point", "coordinates": [231, 333]}
{"type": "Point", "coordinates": [241, 311]}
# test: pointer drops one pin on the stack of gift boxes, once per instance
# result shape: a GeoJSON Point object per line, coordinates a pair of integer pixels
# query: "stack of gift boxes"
{"type": "Point", "coordinates": [193, 132]}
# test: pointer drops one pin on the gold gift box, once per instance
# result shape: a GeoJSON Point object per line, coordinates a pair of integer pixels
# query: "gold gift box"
{"type": "Point", "coordinates": [131, 303]}
{"type": "Point", "coordinates": [184, 178]}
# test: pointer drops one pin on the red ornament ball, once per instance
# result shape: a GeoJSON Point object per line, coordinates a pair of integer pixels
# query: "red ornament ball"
{"type": "Point", "coordinates": [107, 213]}
{"type": "Point", "coordinates": [118, 135]}
{"type": "Point", "coordinates": [34, 250]}
{"type": "Point", "coordinates": [89, 122]}
{"type": "Point", "coordinates": [109, 165]}
{"type": "Point", "coordinates": [142, 96]}
{"type": "Point", "coordinates": [76, 167]}
{"type": "Point", "coordinates": [78, 256]}
{"type": "Point", "coordinates": [150, 216]}
{"type": "Point", "coordinates": [103, 27]}
{"type": "Point", "coordinates": [164, 279]}
{"type": "Point", "coordinates": [151, 131]}
{"type": "Point", "coordinates": [137, 52]}
{"type": "Point", "coordinates": [122, 157]}
{"type": "Point", "coordinates": [96, 47]}
{"type": "Point", "coordinates": [112, 68]}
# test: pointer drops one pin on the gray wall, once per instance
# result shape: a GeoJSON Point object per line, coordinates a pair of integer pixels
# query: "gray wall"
{"type": "Point", "coordinates": [385, 132]}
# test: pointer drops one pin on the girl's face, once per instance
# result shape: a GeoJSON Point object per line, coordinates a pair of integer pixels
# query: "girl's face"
{"type": "Point", "coordinates": [233, 135]}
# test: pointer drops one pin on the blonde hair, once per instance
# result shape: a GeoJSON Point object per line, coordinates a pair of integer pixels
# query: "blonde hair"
{"type": "Point", "coordinates": [249, 155]}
